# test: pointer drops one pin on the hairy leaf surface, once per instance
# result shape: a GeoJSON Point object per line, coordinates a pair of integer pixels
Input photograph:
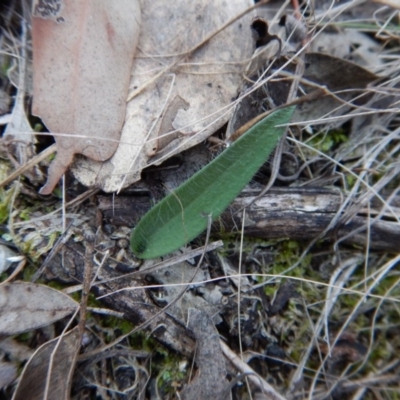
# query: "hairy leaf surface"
{"type": "Point", "coordinates": [184, 214]}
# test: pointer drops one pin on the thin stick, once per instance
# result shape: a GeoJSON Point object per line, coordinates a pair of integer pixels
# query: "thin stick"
{"type": "Point", "coordinates": [19, 268]}
{"type": "Point", "coordinates": [31, 163]}
{"type": "Point", "coordinates": [250, 373]}
{"type": "Point", "coordinates": [90, 241]}
{"type": "Point", "coordinates": [162, 311]}
{"type": "Point", "coordinates": [315, 94]}
{"type": "Point", "coordinates": [56, 248]}
{"type": "Point", "coordinates": [195, 48]}
{"type": "Point", "coordinates": [239, 288]}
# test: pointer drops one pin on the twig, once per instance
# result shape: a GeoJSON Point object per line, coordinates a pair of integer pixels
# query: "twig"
{"type": "Point", "coordinates": [31, 163]}
{"type": "Point", "coordinates": [195, 48]}
{"type": "Point", "coordinates": [267, 389]}
{"type": "Point", "coordinates": [19, 268]}
{"type": "Point", "coordinates": [60, 242]}
{"type": "Point", "coordinates": [162, 311]}
{"type": "Point", "coordinates": [163, 264]}
{"type": "Point", "coordinates": [87, 273]}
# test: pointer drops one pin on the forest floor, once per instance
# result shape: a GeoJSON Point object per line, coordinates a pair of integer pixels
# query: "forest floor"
{"type": "Point", "coordinates": [294, 294]}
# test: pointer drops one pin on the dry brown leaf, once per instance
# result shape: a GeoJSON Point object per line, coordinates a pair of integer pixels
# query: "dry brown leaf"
{"type": "Point", "coordinates": [343, 78]}
{"type": "Point", "coordinates": [82, 59]}
{"type": "Point", "coordinates": [205, 83]}
{"type": "Point", "coordinates": [53, 362]}
{"type": "Point", "coordinates": [25, 306]}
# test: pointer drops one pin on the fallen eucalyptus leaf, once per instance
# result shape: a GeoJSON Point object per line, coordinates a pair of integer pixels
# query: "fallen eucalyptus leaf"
{"type": "Point", "coordinates": [82, 60]}
{"type": "Point", "coordinates": [57, 358]}
{"type": "Point", "coordinates": [343, 78]}
{"type": "Point", "coordinates": [174, 88]}
{"type": "Point", "coordinates": [25, 306]}
{"type": "Point", "coordinates": [183, 214]}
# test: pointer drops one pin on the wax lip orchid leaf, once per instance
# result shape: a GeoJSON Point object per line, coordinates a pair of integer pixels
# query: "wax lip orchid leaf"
{"type": "Point", "coordinates": [184, 214]}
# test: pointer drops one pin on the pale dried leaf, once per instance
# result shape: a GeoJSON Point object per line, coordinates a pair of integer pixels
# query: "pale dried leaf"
{"type": "Point", "coordinates": [343, 78]}
{"type": "Point", "coordinates": [349, 44]}
{"type": "Point", "coordinates": [82, 58]}
{"type": "Point", "coordinates": [204, 82]}
{"type": "Point", "coordinates": [18, 132]}
{"type": "Point", "coordinates": [25, 306]}
{"type": "Point", "coordinates": [57, 358]}
{"type": "Point", "coordinates": [176, 274]}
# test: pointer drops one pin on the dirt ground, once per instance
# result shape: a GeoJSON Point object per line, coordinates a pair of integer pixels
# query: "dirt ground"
{"type": "Point", "coordinates": [292, 292]}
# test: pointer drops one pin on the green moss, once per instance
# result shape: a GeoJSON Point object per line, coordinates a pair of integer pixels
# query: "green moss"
{"type": "Point", "coordinates": [5, 202]}
{"type": "Point", "coordinates": [58, 193]}
{"type": "Point", "coordinates": [29, 270]}
{"type": "Point", "coordinates": [38, 127]}
{"type": "Point", "coordinates": [59, 286]}
{"type": "Point", "coordinates": [25, 215]}
{"type": "Point", "coordinates": [34, 251]}
{"type": "Point", "coordinates": [171, 375]}
{"type": "Point", "coordinates": [350, 181]}
{"type": "Point", "coordinates": [25, 337]}
{"type": "Point", "coordinates": [288, 253]}
{"type": "Point", "coordinates": [326, 141]}
{"type": "Point", "coordinates": [109, 321]}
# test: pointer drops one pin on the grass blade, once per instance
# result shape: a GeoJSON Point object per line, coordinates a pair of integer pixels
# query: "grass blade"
{"type": "Point", "coordinates": [182, 215]}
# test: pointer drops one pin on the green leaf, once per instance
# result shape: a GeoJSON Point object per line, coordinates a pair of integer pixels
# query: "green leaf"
{"type": "Point", "coordinates": [183, 214]}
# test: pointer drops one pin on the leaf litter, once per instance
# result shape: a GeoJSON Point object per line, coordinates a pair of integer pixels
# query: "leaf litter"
{"type": "Point", "coordinates": [168, 78]}
{"type": "Point", "coordinates": [26, 306]}
{"type": "Point", "coordinates": [339, 319]}
{"type": "Point", "coordinates": [48, 373]}
{"type": "Point", "coordinates": [99, 42]}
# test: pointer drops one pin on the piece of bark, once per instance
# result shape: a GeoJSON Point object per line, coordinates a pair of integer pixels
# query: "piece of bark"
{"type": "Point", "coordinates": [303, 213]}
{"type": "Point", "coordinates": [136, 305]}
{"type": "Point", "coordinates": [123, 210]}
{"type": "Point", "coordinates": [295, 213]}
{"type": "Point", "coordinates": [138, 308]}
{"type": "Point", "coordinates": [210, 380]}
